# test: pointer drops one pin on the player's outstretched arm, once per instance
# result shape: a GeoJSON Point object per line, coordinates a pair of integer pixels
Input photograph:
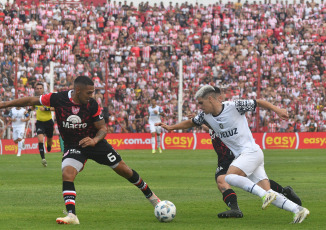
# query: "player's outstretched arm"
{"type": "Point", "coordinates": [182, 125]}
{"type": "Point", "coordinates": [21, 102]}
{"type": "Point", "coordinates": [282, 113]}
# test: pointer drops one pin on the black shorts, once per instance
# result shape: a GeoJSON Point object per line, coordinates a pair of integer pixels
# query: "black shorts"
{"type": "Point", "coordinates": [222, 169]}
{"type": "Point", "coordinates": [45, 127]}
{"type": "Point", "coordinates": [102, 153]}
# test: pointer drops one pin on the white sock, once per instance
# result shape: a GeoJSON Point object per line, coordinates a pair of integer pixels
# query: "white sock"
{"type": "Point", "coordinates": [20, 146]}
{"type": "Point", "coordinates": [284, 203]}
{"type": "Point", "coordinates": [158, 138]}
{"type": "Point", "coordinates": [245, 184]}
{"type": "Point", "coordinates": [153, 142]}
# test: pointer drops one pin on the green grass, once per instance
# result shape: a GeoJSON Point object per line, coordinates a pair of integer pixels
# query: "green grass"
{"type": "Point", "coordinates": [31, 196]}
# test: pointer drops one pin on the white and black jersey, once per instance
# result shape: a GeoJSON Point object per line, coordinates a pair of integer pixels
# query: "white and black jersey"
{"type": "Point", "coordinates": [18, 114]}
{"type": "Point", "coordinates": [154, 117]}
{"type": "Point", "coordinates": [231, 125]}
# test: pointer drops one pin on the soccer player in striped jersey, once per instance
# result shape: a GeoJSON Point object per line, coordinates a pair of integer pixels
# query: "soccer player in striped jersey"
{"type": "Point", "coordinates": [83, 130]}
{"type": "Point", "coordinates": [247, 170]}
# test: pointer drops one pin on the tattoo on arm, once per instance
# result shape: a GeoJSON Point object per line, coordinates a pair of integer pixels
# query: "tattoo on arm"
{"type": "Point", "coordinates": [100, 134]}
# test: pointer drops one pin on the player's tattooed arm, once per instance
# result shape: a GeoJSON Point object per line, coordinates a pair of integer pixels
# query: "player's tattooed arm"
{"type": "Point", "coordinates": [102, 130]}
{"type": "Point", "coordinates": [101, 133]}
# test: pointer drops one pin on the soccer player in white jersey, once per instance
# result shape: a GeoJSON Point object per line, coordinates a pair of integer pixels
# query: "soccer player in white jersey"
{"type": "Point", "coordinates": [18, 117]}
{"type": "Point", "coordinates": [155, 112]}
{"type": "Point", "coordinates": [228, 121]}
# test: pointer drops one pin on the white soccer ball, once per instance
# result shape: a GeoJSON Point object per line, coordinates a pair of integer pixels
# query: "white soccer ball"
{"type": "Point", "coordinates": [165, 211]}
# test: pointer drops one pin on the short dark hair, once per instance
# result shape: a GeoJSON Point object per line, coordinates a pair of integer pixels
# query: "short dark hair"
{"type": "Point", "coordinates": [39, 83]}
{"type": "Point", "coordinates": [83, 80]}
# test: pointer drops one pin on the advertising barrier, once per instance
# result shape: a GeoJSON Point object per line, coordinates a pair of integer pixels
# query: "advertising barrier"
{"type": "Point", "coordinates": [184, 141]}
{"type": "Point", "coordinates": [31, 146]}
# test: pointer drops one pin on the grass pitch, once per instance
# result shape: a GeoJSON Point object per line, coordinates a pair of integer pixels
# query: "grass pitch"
{"type": "Point", "coordinates": [31, 195]}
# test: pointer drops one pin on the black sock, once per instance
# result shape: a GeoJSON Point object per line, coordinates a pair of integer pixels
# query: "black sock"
{"type": "Point", "coordinates": [138, 181]}
{"type": "Point", "coordinates": [41, 149]}
{"type": "Point", "coordinates": [276, 187]}
{"type": "Point", "coordinates": [48, 148]}
{"type": "Point", "coordinates": [69, 195]}
{"type": "Point", "coordinates": [230, 198]}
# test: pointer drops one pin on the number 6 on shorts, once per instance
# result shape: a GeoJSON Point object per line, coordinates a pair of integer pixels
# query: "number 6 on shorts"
{"type": "Point", "coordinates": [111, 157]}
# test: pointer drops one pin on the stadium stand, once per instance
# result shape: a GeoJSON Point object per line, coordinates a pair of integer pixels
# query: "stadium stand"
{"type": "Point", "coordinates": [220, 44]}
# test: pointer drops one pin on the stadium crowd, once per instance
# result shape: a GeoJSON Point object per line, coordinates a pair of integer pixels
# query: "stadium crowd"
{"type": "Point", "coordinates": [139, 48]}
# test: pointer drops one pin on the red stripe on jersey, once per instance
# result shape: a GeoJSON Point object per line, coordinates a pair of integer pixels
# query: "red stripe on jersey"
{"type": "Point", "coordinates": [45, 99]}
{"type": "Point", "coordinates": [98, 111]}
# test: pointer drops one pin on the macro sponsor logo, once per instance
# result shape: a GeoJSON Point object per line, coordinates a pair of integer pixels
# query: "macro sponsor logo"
{"type": "Point", "coordinates": [175, 141]}
{"type": "Point", "coordinates": [315, 141]}
{"type": "Point", "coordinates": [117, 142]}
{"type": "Point", "coordinates": [280, 141]}
{"type": "Point", "coordinates": [74, 122]}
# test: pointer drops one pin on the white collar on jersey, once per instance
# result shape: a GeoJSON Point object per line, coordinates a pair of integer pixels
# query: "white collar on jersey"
{"type": "Point", "coordinates": [70, 97]}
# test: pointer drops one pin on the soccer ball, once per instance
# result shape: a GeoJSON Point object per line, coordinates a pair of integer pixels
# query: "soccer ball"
{"type": "Point", "coordinates": [165, 211]}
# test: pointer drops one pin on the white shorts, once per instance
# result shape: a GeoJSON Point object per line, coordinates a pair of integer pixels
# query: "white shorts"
{"type": "Point", "coordinates": [18, 133]}
{"type": "Point", "coordinates": [252, 164]}
{"type": "Point", "coordinates": [153, 128]}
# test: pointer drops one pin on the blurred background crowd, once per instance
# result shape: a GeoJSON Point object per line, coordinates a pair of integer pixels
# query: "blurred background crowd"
{"type": "Point", "coordinates": [138, 47]}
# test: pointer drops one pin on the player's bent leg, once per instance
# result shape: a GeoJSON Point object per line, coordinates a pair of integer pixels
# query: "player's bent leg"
{"type": "Point", "coordinates": [133, 177]}
{"type": "Point", "coordinates": [245, 184]}
{"type": "Point", "coordinates": [123, 170]}
{"type": "Point", "coordinates": [70, 168]}
{"type": "Point", "coordinates": [229, 197]}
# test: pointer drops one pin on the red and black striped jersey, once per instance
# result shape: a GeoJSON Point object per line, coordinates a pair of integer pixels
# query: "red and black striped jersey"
{"type": "Point", "coordinates": [75, 121]}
